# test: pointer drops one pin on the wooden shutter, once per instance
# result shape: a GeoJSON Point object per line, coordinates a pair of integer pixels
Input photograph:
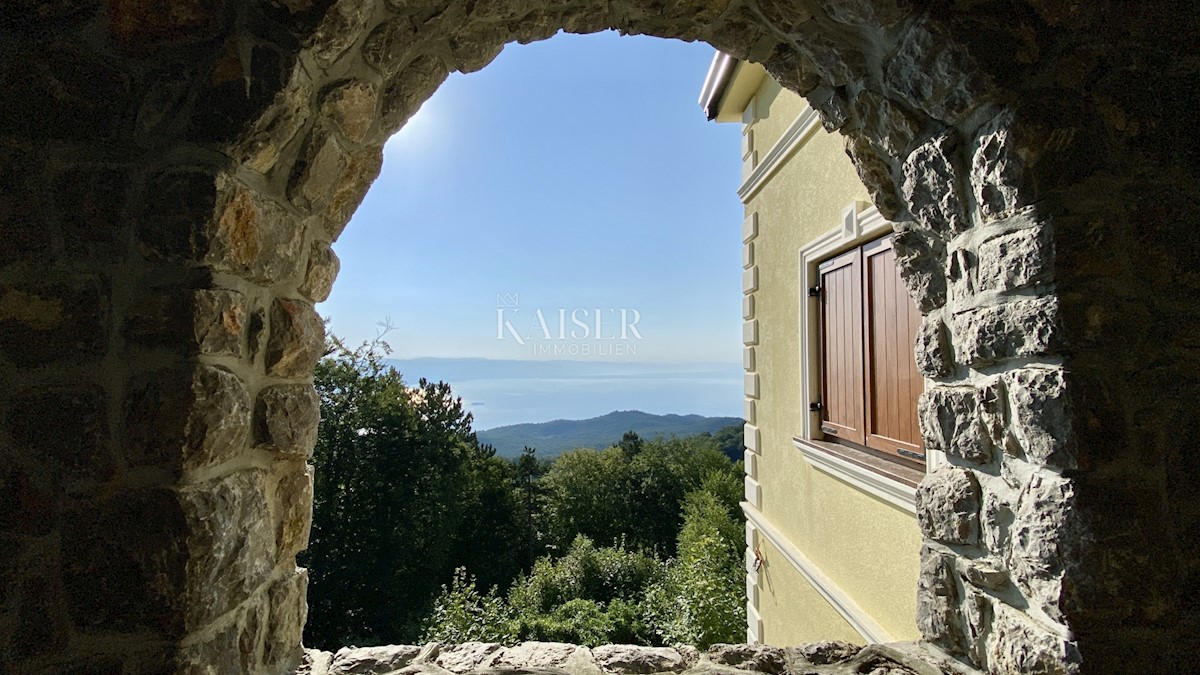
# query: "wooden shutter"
{"type": "Point", "coordinates": [892, 382]}
{"type": "Point", "coordinates": [841, 347]}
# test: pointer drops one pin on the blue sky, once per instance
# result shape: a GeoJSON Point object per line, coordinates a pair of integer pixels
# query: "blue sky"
{"type": "Point", "coordinates": [573, 174]}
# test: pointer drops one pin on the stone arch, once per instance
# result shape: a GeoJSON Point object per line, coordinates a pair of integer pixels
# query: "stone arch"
{"type": "Point", "coordinates": [174, 173]}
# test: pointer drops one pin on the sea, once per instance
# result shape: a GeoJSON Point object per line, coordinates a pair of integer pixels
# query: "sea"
{"type": "Point", "coordinates": [501, 392]}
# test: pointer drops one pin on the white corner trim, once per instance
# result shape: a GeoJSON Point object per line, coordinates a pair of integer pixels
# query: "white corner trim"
{"type": "Point", "coordinates": [891, 491]}
{"type": "Point", "coordinates": [850, 611]}
{"type": "Point", "coordinates": [860, 222]}
{"type": "Point", "coordinates": [800, 129]}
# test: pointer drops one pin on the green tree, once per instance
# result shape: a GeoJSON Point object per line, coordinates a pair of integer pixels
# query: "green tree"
{"type": "Point", "coordinates": [701, 600]}
{"type": "Point", "coordinates": [403, 494]}
{"type": "Point", "coordinates": [630, 444]}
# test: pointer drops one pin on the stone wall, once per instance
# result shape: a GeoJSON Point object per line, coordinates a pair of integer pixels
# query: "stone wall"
{"type": "Point", "coordinates": [556, 658]}
{"type": "Point", "coordinates": [173, 174]}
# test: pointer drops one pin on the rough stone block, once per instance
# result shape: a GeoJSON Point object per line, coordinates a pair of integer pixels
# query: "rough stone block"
{"type": "Point", "coordinates": [1014, 329]}
{"type": "Point", "coordinates": [218, 417]}
{"type": "Point", "coordinates": [931, 186]}
{"type": "Point", "coordinates": [996, 522]}
{"type": "Point", "coordinates": [58, 92]}
{"type": "Point", "coordinates": [293, 507]}
{"type": "Point", "coordinates": [67, 430]}
{"type": "Point", "coordinates": [323, 266]}
{"type": "Point", "coordinates": [141, 24]}
{"type": "Point", "coordinates": [235, 648]}
{"type": "Point", "coordinates": [89, 207]}
{"type": "Point", "coordinates": [44, 323]}
{"type": "Point", "coordinates": [1041, 415]}
{"type": "Point", "coordinates": [993, 411]}
{"type": "Point", "coordinates": [998, 169]}
{"type": "Point", "coordinates": [1015, 260]}
{"type": "Point", "coordinates": [297, 339]}
{"type": "Point", "coordinates": [341, 27]}
{"type": "Point", "coordinates": [977, 614]}
{"type": "Point", "coordinates": [876, 175]}
{"type": "Point", "coordinates": [350, 188]}
{"type": "Point", "coordinates": [162, 317]}
{"type": "Point", "coordinates": [287, 614]}
{"type": "Point", "coordinates": [388, 47]}
{"type": "Point", "coordinates": [278, 125]}
{"type": "Point", "coordinates": [866, 13]}
{"type": "Point", "coordinates": [255, 238]}
{"type": "Point", "coordinates": [938, 614]}
{"type": "Point", "coordinates": [350, 108]}
{"type": "Point", "coordinates": [948, 506]}
{"type": "Point", "coordinates": [405, 93]}
{"type": "Point", "coordinates": [950, 422]}
{"type": "Point", "coordinates": [933, 72]}
{"type": "Point", "coordinates": [919, 259]}
{"type": "Point", "coordinates": [124, 578]}
{"type": "Point", "coordinates": [538, 655]}
{"type": "Point", "coordinates": [821, 653]}
{"type": "Point", "coordinates": [983, 573]}
{"type": "Point", "coordinates": [219, 322]}
{"type": "Point", "coordinates": [635, 660]}
{"type": "Point", "coordinates": [932, 349]}
{"type": "Point", "coordinates": [178, 206]}
{"type": "Point", "coordinates": [321, 165]}
{"type": "Point", "coordinates": [831, 107]}
{"type": "Point", "coordinates": [230, 543]}
{"type": "Point", "coordinates": [468, 656]}
{"type": "Point", "coordinates": [885, 123]}
{"type": "Point", "coordinates": [286, 419]}
{"type": "Point", "coordinates": [1040, 545]}
{"type": "Point", "coordinates": [1018, 645]}
{"type": "Point", "coordinates": [759, 658]}
{"type": "Point", "coordinates": [362, 660]}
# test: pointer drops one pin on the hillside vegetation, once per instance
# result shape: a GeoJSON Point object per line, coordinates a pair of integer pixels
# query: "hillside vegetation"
{"type": "Point", "coordinates": [553, 438]}
{"type": "Point", "coordinates": [421, 532]}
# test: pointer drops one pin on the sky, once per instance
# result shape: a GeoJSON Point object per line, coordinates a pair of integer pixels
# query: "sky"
{"type": "Point", "coordinates": [570, 179]}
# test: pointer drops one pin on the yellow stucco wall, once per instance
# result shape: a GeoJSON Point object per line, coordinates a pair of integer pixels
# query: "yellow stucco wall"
{"type": "Point", "coordinates": [775, 107]}
{"type": "Point", "coordinates": [783, 593]}
{"type": "Point", "coordinates": [867, 547]}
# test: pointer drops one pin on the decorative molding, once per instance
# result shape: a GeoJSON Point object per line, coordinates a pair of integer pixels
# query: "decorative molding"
{"type": "Point", "coordinates": [891, 491]}
{"type": "Point", "coordinates": [750, 332]}
{"type": "Point", "coordinates": [836, 597]}
{"type": "Point", "coordinates": [751, 437]}
{"type": "Point", "coordinates": [748, 358]}
{"type": "Point", "coordinates": [749, 411]}
{"type": "Point", "coordinates": [750, 384]}
{"type": "Point", "coordinates": [750, 227]}
{"type": "Point", "coordinates": [750, 460]}
{"type": "Point", "coordinates": [753, 492]}
{"type": "Point", "coordinates": [750, 280]}
{"type": "Point", "coordinates": [797, 132]}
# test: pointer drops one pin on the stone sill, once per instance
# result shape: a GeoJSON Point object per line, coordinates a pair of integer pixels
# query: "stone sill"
{"type": "Point", "coordinates": [890, 481]}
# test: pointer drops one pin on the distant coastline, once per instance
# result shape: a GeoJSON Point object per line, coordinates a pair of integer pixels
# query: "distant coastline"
{"type": "Point", "coordinates": [502, 392]}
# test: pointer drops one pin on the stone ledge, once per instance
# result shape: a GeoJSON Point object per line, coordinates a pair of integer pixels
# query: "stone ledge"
{"type": "Point", "coordinates": [555, 658]}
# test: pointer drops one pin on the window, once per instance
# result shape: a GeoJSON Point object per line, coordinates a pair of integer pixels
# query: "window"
{"type": "Point", "coordinates": [869, 378]}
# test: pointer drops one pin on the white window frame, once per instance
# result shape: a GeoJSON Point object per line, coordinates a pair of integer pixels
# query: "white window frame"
{"type": "Point", "coordinates": [860, 223]}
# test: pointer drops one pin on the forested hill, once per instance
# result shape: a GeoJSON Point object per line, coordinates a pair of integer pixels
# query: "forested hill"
{"type": "Point", "coordinates": [553, 438]}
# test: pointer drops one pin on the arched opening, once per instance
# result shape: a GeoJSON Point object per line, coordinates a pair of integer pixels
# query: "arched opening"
{"type": "Point", "coordinates": [568, 182]}
{"type": "Point", "coordinates": [177, 173]}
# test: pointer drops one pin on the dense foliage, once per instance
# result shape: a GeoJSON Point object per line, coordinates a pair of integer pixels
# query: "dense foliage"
{"type": "Point", "coordinates": [421, 532]}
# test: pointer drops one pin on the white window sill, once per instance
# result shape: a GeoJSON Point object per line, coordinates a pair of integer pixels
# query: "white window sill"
{"type": "Point", "coordinates": [865, 473]}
